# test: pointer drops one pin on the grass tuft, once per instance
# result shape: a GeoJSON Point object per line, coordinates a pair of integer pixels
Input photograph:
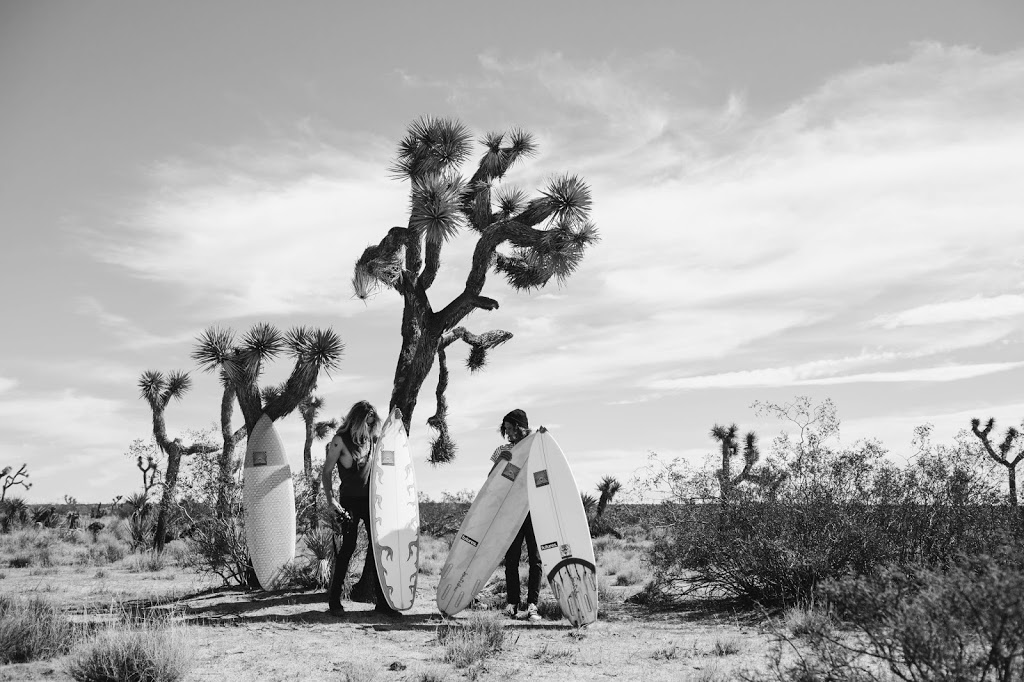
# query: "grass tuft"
{"type": "Point", "coordinates": [725, 646]}
{"type": "Point", "coordinates": [147, 652]}
{"type": "Point", "coordinates": [147, 561]}
{"type": "Point", "coordinates": [33, 629]}
{"type": "Point", "coordinates": [465, 645]}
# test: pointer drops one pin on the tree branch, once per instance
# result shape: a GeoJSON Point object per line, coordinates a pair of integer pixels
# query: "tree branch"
{"type": "Point", "coordinates": [982, 435]}
{"type": "Point", "coordinates": [429, 273]}
{"type": "Point", "coordinates": [380, 264]}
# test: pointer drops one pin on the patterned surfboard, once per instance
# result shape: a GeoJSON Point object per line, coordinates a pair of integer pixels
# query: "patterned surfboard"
{"type": "Point", "coordinates": [268, 500]}
{"type": "Point", "coordinates": [395, 512]}
{"type": "Point", "coordinates": [563, 534]}
{"type": "Point", "coordinates": [490, 525]}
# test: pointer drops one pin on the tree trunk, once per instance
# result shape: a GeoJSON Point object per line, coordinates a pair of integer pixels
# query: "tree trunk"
{"type": "Point", "coordinates": [1012, 473]}
{"type": "Point", "coordinates": [225, 462]}
{"type": "Point", "coordinates": [419, 348]}
{"type": "Point", "coordinates": [170, 481]}
{"type": "Point", "coordinates": [307, 448]}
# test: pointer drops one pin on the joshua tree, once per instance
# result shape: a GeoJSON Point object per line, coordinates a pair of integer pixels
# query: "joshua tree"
{"type": "Point", "coordinates": [226, 459]}
{"type": "Point", "coordinates": [546, 238]}
{"type": "Point", "coordinates": [1003, 455]}
{"type": "Point", "coordinates": [17, 478]}
{"type": "Point", "coordinates": [310, 408]}
{"type": "Point", "coordinates": [726, 436]}
{"type": "Point", "coordinates": [158, 391]}
{"type": "Point", "coordinates": [607, 488]}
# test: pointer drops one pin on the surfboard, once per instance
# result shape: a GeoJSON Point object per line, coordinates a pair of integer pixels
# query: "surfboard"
{"type": "Point", "coordinates": [395, 531]}
{"type": "Point", "coordinates": [490, 525]}
{"type": "Point", "coordinates": [268, 500]}
{"type": "Point", "coordinates": [563, 534]}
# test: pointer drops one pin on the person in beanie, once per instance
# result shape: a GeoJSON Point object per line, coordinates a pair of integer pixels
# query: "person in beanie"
{"type": "Point", "coordinates": [515, 427]}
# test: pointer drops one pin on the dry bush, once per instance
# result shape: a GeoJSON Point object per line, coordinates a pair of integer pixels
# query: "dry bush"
{"type": "Point", "coordinates": [33, 629]}
{"type": "Point", "coordinates": [146, 561]}
{"type": "Point", "coordinates": [470, 642]}
{"type": "Point", "coordinates": [150, 652]}
{"type": "Point", "coordinates": [433, 554]}
{"type": "Point", "coordinates": [725, 646]}
{"type": "Point", "coordinates": [107, 549]}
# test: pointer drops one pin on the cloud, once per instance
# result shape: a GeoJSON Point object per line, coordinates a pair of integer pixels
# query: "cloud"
{"type": "Point", "coordinates": [249, 233]}
{"type": "Point", "coordinates": [972, 309]}
{"type": "Point", "coordinates": [130, 335]}
{"type": "Point", "coordinates": [7, 384]}
{"type": "Point", "coordinates": [66, 419]}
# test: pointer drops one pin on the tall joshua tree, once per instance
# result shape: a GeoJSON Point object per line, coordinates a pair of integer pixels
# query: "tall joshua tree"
{"type": "Point", "coordinates": [229, 438]}
{"type": "Point", "coordinates": [242, 364]}
{"type": "Point", "coordinates": [542, 238]}
{"type": "Point", "coordinates": [158, 391]}
{"type": "Point", "coordinates": [726, 436]}
{"type": "Point", "coordinates": [1002, 457]}
{"type": "Point", "coordinates": [309, 409]}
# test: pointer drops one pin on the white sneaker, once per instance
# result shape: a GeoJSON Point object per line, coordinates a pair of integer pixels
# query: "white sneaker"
{"type": "Point", "coordinates": [529, 614]}
{"type": "Point", "coordinates": [510, 610]}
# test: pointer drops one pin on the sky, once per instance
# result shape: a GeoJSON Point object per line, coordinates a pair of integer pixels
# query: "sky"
{"type": "Point", "coordinates": [794, 199]}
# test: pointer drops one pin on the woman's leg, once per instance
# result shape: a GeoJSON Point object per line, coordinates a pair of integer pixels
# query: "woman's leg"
{"type": "Point", "coordinates": [341, 561]}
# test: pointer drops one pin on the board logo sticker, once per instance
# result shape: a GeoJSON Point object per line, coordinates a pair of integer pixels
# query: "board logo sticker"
{"type": "Point", "coordinates": [259, 458]}
{"type": "Point", "coordinates": [550, 545]}
{"type": "Point", "coordinates": [511, 471]}
{"type": "Point", "coordinates": [566, 551]}
{"type": "Point", "coordinates": [470, 540]}
{"type": "Point", "coordinates": [387, 458]}
{"type": "Point", "coordinates": [540, 478]}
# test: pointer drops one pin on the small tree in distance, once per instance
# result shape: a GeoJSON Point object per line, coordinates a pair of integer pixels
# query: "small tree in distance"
{"type": "Point", "coordinates": [547, 236]}
{"type": "Point", "coordinates": [17, 478]}
{"type": "Point", "coordinates": [1002, 457]}
{"type": "Point", "coordinates": [158, 391]}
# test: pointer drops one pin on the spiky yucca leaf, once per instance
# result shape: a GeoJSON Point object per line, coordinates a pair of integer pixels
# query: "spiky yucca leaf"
{"type": "Point", "coordinates": [477, 358]}
{"type": "Point", "coordinates": [522, 144]}
{"type": "Point", "coordinates": [323, 350]}
{"type": "Point", "coordinates": [151, 386]}
{"type": "Point", "coordinates": [271, 393]}
{"type": "Point", "coordinates": [323, 429]}
{"type": "Point", "coordinates": [494, 161]}
{"type": "Point", "coordinates": [364, 284]}
{"type": "Point", "coordinates": [510, 201]}
{"type": "Point", "coordinates": [442, 448]}
{"type": "Point", "coordinates": [436, 207]}
{"type": "Point", "coordinates": [296, 339]}
{"type": "Point", "coordinates": [751, 453]}
{"type": "Point", "coordinates": [520, 273]}
{"type": "Point", "coordinates": [609, 486]}
{"type": "Point", "coordinates": [178, 384]}
{"type": "Point", "coordinates": [263, 342]}
{"type": "Point", "coordinates": [569, 198]}
{"type": "Point", "coordinates": [310, 406]}
{"type": "Point", "coordinates": [589, 503]}
{"type": "Point", "coordinates": [432, 145]}
{"type": "Point", "coordinates": [213, 348]}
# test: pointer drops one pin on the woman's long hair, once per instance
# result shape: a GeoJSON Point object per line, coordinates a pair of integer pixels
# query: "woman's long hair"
{"type": "Point", "coordinates": [361, 424]}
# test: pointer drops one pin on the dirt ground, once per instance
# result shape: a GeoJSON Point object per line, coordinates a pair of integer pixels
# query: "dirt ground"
{"type": "Point", "coordinates": [237, 635]}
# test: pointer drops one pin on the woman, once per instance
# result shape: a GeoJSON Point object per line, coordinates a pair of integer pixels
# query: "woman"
{"type": "Point", "coordinates": [515, 427]}
{"type": "Point", "coordinates": [349, 452]}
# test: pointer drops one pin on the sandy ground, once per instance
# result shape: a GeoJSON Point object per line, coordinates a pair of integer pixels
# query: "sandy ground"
{"type": "Point", "coordinates": [237, 635]}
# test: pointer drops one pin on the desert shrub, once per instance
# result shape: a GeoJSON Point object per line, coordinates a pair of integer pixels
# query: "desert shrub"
{"type": "Point", "coordinates": [106, 550]}
{"type": "Point", "coordinates": [32, 629]}
{"type": "Point", "coordinates": [469, 643]}
{"type": "Point", "coordinates": [136, 530]}
{"type": "Point", "coordinates": [13, 514]}
{"type": "Point", "coordinates": [153, 653]}
{"type": "Point", "coordinates": [836, 512]}
{"type": "Point", "coordinates": [218, 547]}
{"type": "Point", "coordinates": [147, 561]}
{"type": "Point", "coordinates": [20, 561]}
{"type": "Point", "coordinates": [438, 519]}
{"type": "Point", "coordinates": [548, 609]}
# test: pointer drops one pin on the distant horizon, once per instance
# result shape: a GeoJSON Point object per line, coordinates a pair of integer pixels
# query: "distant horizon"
{"type": "Point", "coordinates": [792, 200]}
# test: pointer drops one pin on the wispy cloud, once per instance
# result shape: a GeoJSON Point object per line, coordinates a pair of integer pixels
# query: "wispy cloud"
{"type": "Point", "coordinates": [7, 384]}
{"type": "Point", "coordinates": [966, 310]}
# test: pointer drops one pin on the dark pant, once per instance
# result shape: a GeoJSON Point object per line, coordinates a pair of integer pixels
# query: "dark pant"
{"type": "Point", "coordinates": [358, 509]}
{"type": "Point", "coordinates": [512, 565]}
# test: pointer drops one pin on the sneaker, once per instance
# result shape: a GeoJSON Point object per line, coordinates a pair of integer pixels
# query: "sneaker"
{"type": "Point", "coordinates": [510, 610]}
{"type": "Point", "coordinates": [529, 614]}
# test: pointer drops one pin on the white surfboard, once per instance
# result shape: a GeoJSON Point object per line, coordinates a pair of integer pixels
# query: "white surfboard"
{"type": "Point", "coordinates": [268, 499]}
{"type": "Point", "coordinates": [395, 512]}
{"type": "Point", "coordinates": [490, 525]}
{"type": "Point", "coordinates": [563, 534]}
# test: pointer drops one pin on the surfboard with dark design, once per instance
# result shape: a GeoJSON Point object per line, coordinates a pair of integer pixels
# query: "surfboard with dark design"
{"type": "Point", "coordinates": [563, 534]}
{"type": "Point", "coordinates": [395, 512]}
